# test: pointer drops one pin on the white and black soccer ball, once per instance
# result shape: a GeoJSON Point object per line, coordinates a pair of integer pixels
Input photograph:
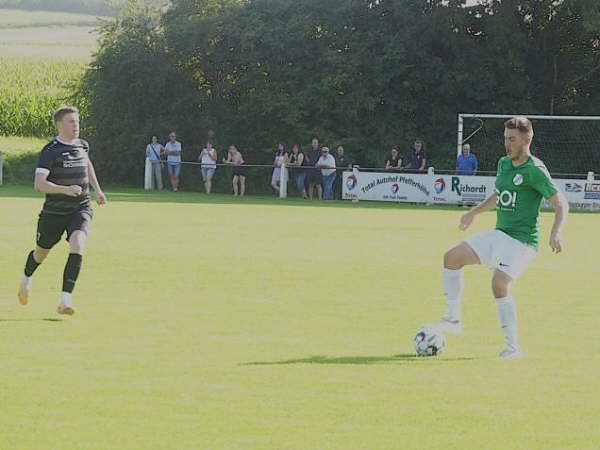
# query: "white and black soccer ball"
{"type": "Point", "coordinates": [429, 342]}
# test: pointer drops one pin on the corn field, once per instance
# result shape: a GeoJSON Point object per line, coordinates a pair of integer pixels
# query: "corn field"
{"type": "Point", "coordinates": [30, 90]}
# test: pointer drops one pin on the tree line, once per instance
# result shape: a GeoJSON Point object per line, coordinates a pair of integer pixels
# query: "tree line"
{"type": "Point", "coordinates": [368, 74]}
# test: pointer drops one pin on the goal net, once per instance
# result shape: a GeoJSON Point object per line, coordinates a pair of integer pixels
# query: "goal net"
{"type": "Point", "coordinates": [568, 145]}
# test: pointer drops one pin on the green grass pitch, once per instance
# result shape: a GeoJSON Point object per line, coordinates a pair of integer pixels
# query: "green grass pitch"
{"type": "Point", "coordinates": [209, 323]}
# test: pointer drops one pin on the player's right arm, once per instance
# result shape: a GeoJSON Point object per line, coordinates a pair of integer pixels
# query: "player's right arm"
{"type": "Point", "coordinates": [41, 184]}
{"type": "Point", "coordinates": [467, 219]}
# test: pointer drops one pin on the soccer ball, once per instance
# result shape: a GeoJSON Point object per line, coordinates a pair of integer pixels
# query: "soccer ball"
{"type": "Point", "coordinates": [429, 342]}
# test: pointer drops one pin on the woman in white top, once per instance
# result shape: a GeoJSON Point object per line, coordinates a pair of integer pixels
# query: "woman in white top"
{"type": "Point", "coordinates": [281, 158]}
{"type": "Point", "coordinates": [327, 165]}
{"type": "Point", "coordinates": [208, 158]}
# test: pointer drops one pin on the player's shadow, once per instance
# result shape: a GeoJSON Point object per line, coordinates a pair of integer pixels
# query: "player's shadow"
{"type": "Point", "coordinates": [38, 319]}
{"type": "Point", "coordinates": [354, 360]}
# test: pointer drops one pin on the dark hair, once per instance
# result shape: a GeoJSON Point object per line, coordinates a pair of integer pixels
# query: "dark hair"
{"type": "Point", "coordinates": [298, 147]}
{"type": "Point", "coordinates": [63, 111]}
{"type": "Point", "coordinates": [419, 141]}
{"type": "Point", "coordinates": [523, 124]}
{"type": "Point", "coordinates": [282, 151]}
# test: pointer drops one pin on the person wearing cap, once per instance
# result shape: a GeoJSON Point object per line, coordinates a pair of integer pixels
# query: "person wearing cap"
{"type": "Point", "coordinates": [327, 165]}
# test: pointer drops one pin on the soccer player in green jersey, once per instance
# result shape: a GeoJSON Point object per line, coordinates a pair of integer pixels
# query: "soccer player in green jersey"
{"type": "Point", "coordinates": [522, 181]}
{"type": "Point", "coordinates": [64, 173]}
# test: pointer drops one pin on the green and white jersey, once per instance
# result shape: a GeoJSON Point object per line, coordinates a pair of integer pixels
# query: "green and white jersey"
{"type": "Point", "coordinates": [520, 190]}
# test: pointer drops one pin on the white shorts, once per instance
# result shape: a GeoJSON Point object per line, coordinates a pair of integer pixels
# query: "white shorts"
{"type": "Point", "coordinates": [498, 250]}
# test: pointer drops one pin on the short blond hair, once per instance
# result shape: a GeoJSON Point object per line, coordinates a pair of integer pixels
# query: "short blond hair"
{"type": "Point", "coordinates": [523, 124]}
{"type": "Point", "coordinates": [63, 111]}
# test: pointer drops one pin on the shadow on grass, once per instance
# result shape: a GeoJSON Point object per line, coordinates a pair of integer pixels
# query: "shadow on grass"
{"type": "Point", "coordinates": [37, 319]}
{"type": "Point", "coordinates": [360, 360]}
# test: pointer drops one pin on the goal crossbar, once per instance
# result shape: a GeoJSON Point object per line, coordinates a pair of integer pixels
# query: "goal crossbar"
{"type": "Point", "coordinates": [462, 116]}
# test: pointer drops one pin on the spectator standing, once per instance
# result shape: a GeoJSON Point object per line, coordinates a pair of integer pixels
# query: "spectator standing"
{"type": "Point", "coordinates": [235, 158]}
{"type": "Point", "coordinates": [299, 175]}
{"type": "Point", "coordinates": [281, 158]}
{"type": "Point", "coordinates": [208, 159]}
{"type": "Point", "coordinates": [418, 157]}
{"type": "Point", "coordinates": [173, 150]}
{"type": "Point", "coordinates": [327, 165]}
{"type": "Point", "coordinates": [394, 162]}
{"type": "Point", "coordinates": [313, 176]}
{"type": "Point", "coordinates": [153, 152]}
{"type": "Point", "coordinates": [341, 162]}
{"type": "Point", "coordinates": [466, 164]}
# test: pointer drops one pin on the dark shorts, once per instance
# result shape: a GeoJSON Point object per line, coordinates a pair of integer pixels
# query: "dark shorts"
{"type": "Point", "coordinates": [314, 176]}
{"type": "Point", "coordinates": [239, 171]}
{"type": "Point", "coordinates": [52, 226]}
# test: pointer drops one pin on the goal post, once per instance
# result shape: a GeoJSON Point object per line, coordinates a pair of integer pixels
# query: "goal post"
{"type": "Point", "coordinates": [568, 145]}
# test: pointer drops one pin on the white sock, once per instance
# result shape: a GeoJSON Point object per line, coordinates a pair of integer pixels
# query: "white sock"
{"type": "Point", "coordinates": [453, 289]}
{"type": "Point", "coordinates": [65, 297]}
{"type": "Point", "coordinates": [507, 312]}
{"type": "Point", "coordinates": [26, 280]}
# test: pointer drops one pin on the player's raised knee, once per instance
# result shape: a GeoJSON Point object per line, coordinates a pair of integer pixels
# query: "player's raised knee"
{"type": "Point", "coordinates": [452, 259]}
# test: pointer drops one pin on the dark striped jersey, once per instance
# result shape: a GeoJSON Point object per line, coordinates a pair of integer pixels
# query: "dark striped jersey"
{"type": "Point", "coordinates": [66, 165]}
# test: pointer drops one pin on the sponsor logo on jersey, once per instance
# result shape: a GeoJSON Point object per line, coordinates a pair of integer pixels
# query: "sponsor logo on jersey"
{"type": "Point", "coordinates": [507, 199]}
{"type": "Point", "coordinates": [71, 164]}
{"type": "Point", "coordinates": [518, 179]}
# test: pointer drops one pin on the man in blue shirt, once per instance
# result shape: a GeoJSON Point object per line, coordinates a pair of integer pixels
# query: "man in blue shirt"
{"type": "Point", "coordinates": [466, 164]}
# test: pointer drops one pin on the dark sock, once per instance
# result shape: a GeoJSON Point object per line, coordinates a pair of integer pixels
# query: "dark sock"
{"type": "Point", "coordinates": [71, 272]}
{"type": "Point", "coordinates": [30, 265]}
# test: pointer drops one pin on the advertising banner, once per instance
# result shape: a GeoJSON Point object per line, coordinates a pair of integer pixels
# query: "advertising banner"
{"type": "Point", "coordinates": [451, 189]}
{"type": "Point", "coordinates": [456, 189]}
{"type": "Point", "coordinates": [386, 186]}
{"type": "Point", "coordinates": [581, 194]}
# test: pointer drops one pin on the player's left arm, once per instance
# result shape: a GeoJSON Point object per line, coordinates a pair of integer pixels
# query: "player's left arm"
{"type": "Point", "coordinates": [561, 210]}
{"type": "Point", "coordinates": [100, 197]}
{"type": "Point", "coordinates": [544, 185]}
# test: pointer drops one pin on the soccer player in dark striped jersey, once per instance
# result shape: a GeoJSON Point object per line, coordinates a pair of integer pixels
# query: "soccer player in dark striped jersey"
{"type": "Point", "coordinates": [64, 173]}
